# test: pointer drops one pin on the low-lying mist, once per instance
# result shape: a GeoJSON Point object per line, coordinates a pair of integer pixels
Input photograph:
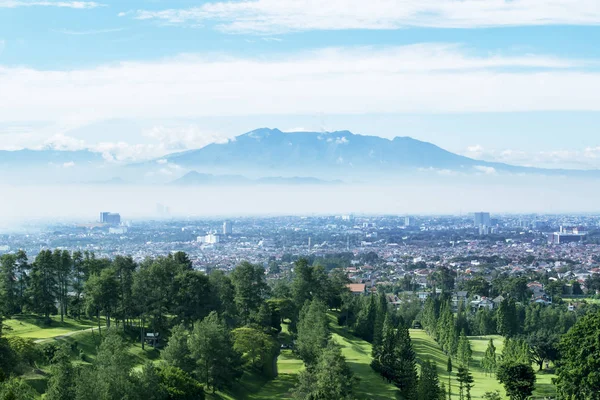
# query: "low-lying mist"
{"type": "Point", "coordinates": [82, 203]}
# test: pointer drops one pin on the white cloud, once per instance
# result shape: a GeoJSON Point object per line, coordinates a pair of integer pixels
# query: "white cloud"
{"type": "Point", "coordinates": [486, 170]}
{"type": "Point", "coordinates": [587, 158]}
{"type": "Point", "coordinates": [280, 16]}
{"type": "Point", "coordinates": [69, 164]}
{"type": "Point", "coordinates": [49, 3]}
{"type": "Point", "coordinates": [426, 78]}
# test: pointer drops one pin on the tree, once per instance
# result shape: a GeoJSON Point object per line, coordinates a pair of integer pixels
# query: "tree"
{"type": "Point", "coordinates": [149, 384]}
{"type": "Point", "coordinates": [365, 323]}
{"type": "Point", "coordinates": [62, 265]}
{"type": "Point", "coordinates": [177, 351]}
{"type": "Point", "coordinates": [192, 296]}
{"type": "Point", "coordinates": [257, 348]}
{"type": "Point", "coordinates": [124, 268]}
{"type": "Point", "coordinates": [465, 354]}
{"type": "Point", "coordinates": [516, 351]}
{"type": "Point", "coordinates": [543, 346]}
{"type": "Point", "coordinates": [449, 371]}
{"type": "Point", "coordinates": [429, 385]}
{"type": "Point", "coordinates": [465, 383]}
{"type": "Point", "coordinates": [8, 286]}
{"type": "Point", "coordinates": [250, 289]}
{"type": "Point", "coordinates": [330, 379]}
{"type": "Point", "coordinates": [506, 317]}
{"type": "Point", "coordinates": [109, 376]}
{"type": "Point", "coordinates": [577, 371]}
{"type": "Point", "coordinates": [102, 293]}
{"type": "Point", "coordinates": [518, 379]}
{"type": "Point", "coordinates": [218, 365]}
{"type": "Point", "coordinates": [179, 385]}
{"type": "Point", "coordinates": [313, 332]}
{"type": "Point", "coordinates": [43, 286]}
{"type": "Point", "coordinates": [225, 293]}
{"type": "Point", "coordinates": [405, 374]}
{"type": "Point", "coordinates": [16, 389]}
{"type": "Point", "coordinates": [380, 315]}
{"type": "Point", "coordinates": [489, 362]}
{"type": "Point", "coordinates": [23, 269]}
{"type": "Point", "coordinates": [495, 395]}
{"type": "Point", "coordinates": [61, 385]}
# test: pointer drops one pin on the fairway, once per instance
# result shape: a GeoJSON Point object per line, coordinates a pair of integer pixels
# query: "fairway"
{"type": "Point", "coordinates": [34, 327]}
{"type": "Point", "coordinates": [427, 348]}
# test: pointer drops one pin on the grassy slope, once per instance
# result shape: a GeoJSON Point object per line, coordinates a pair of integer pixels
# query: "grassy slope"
{"type": "Point", "coordinates": [33, 327]}
{"type": "Point", "coordinates": [426, 348]}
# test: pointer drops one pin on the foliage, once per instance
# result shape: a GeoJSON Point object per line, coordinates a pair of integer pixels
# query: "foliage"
{"type": "Point", "coordinates": [429, 385]}
{"type": "Point", "coordinates": [578, 367]}
{"type": "Point", "coordinates": [313, 331]}
{"type": "Point", "coordinates": [218, 365]}
{"type": "Point", "coordinates": [330, 379]}
{"type": "Point", "coordinates": [518, 379]}
{"type": "Point", "coordinates": [177, 351]}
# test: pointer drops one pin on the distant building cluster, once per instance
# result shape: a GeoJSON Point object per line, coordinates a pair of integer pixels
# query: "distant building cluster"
{"type": "Point", "coordinates": [209, 239]}
{"type": "Point", "coordinates": [568, 235]}
{"type": "Point", "coordinates": [110, 218]}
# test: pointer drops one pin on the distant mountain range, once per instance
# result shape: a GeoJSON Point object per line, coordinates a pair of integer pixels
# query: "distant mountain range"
{"type": "Point", "coordinates": [338, 155]}
{"type": "Point", "coordinates": [266, 156]}
{"type": "Point", "coordinates": [194, 178]}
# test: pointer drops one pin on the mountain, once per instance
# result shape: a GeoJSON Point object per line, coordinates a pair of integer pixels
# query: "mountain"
{"type": "Point", "coordinates": [338, 155]}
{"type": "Point", "coordinates": [194, 178]}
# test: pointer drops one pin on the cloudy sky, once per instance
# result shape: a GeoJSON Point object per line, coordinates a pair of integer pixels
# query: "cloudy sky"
{"type": "Point", "coordinates": [509, 80]}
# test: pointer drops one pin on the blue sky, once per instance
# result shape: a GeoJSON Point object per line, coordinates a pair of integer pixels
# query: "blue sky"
{"type": "Point", "coordinates": [516, 81]}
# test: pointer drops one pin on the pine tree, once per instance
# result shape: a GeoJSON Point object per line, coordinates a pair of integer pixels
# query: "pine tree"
{"type": "Point", "coordinates": [429, 385]}
{"type": "Point", "coordinates": [465, 353]}
{"type": "Point", "coordinates": [313, 332]}
{"type": "Point", "coordinates": [405, 373]}
{"type": "Point", "coordinates": [382, 310]}
{"type": "Point", "coordinates": [489, 361]}
{"type": "Point", "coordinates": [449, 371]}
{"type": "Point", "coordinates": [43, 284]}
{"type": "Point", "coordinates": [465, 381]}
{"type": "Point", "coordinates": [330, 379]}
{"type": "Point", "coordinates": [61, 385]}
{"type": "Point", "coordinates": [177, 351]}
{"type": "Point", "coordinates": [365, 324]}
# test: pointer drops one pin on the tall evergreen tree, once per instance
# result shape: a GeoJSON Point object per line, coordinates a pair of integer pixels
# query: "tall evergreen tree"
{"type": "Point", "coordinates": [465, 354]}
{"type": "Point", "coordinates": [313, 332]}
{"type": "Point", "coordinates": [489, 361]}
{"type": "Point", "coordinates": [381, 314]}
{"type": "Point", "coordinates": [250, 289]}
{"type": "Point", "coordinates": [43, 287]}
{"type": "Point", "coordinates": [330, 379]}
{"type": "Point", "coordinates": [365, 323]}
{"type": "Point", "coordinates": [177, 351]}
{"type": "Point", "coordinates": [465, 383]}
{"type": "Point", "coordinates": [405, 375]}
{"type": "Point", "coordinates": [449, 372]}
{"type": "Point", "coordinates": [429, 384]}
{"type": "Point", "coordinates": [61, 385]}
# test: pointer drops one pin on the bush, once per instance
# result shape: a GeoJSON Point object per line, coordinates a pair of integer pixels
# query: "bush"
{"type": "Point", "coordinates": [179, 384]}
{"type": "Point", "coordinates": [48, 350]}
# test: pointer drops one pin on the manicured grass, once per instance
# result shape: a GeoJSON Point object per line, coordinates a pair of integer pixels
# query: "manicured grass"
{"type": "Point", "coordinates": [427, 348]}
{"type": "Point", "coordinates": [34, 327]}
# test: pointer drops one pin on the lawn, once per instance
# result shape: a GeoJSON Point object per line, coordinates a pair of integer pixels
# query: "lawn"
{"type": "Point", "coordinates": [427, 348]}
{"type": "Point", "coordinates": [358, 357]}
{"type": "Point", "coordinates": [34, 327]}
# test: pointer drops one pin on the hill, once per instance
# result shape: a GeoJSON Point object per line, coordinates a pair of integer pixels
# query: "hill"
{"type": "Point", "coordinates": [194, 178]}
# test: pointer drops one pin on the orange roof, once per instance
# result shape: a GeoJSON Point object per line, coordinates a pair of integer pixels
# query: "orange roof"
{"type": "Point", "coordinates": [357, 287]}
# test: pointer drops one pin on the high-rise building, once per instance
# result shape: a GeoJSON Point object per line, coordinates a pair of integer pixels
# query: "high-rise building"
{"type": "Point", "coordinates": [227, 228]}
{"type": "Point", "coordinates": [407, 221]}
{"type": "Point", "coordinates": [110, 218]}
{"type": "Point", "coordinates": [482, 219]}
